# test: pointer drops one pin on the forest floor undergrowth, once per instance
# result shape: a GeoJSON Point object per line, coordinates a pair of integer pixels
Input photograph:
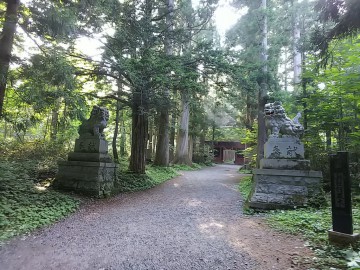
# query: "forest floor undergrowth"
{"type": "Point", "coordinates": [194, 221]}
{"type": "Point", "coordinates": [312, 224]}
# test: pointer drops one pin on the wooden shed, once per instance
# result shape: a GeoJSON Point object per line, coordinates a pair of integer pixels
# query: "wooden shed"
{"type": "Point", "coordinates": [227, 152]}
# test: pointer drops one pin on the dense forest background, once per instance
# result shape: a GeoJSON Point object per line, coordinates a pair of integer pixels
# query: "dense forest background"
{"type": "Point", "coordinates": [171, 81]}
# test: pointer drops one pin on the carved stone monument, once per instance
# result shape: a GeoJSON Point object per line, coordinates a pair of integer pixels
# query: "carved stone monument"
{"type": "Point", "coordinates": [284, 179]}
{"type": "Point", "coordinates": [89, 169]}
{"type": "Point", "coordinates": [342, 230]}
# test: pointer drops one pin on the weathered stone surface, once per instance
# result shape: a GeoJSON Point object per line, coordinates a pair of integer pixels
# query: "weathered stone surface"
{"type": "Point", "coordinates": [342, 239]}
{"type": "Point", "coordinates": [91, 145]}
{"type": "Point", "coordinates": [93, 157]}
{"type": "Point", "coordinates": [297, 173]}
{"type": "Point", "coordinates": [279, 124]}
{"type": "Point", "coordinates": [276, 189]}
{"type": "Point", "coordinates": [89, 169]}
{"type": "Point", "coordinates": [284, 179]}
{"type": "Point", "coordinates": [284, 148]}
{"type": "Point", "coordinates": [90, 178]}
{"type": "Point", "coordinates": [285, 164]}
{"type": "Point", "coordinates": [96, 124]}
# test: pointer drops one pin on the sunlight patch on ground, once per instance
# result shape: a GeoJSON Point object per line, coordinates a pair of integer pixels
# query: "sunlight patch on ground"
{"type": "Point", "coordinates": [209, 225]}
{"type": "Point", "coordinates": [194, 202]}
{"type": "Point", "coordinates": [212, 229]}
{"type": "Point", "coordinates": [176, 185]}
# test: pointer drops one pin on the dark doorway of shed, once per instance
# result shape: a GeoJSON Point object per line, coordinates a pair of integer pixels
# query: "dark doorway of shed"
{"type": "Point", "coordinates": [230, 152]}
{"type": "Point", "coordinates": [229, 156]}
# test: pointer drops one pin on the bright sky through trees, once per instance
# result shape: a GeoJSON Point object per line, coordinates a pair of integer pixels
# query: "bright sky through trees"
{"type": "Point", "coordinates": [226, 16]}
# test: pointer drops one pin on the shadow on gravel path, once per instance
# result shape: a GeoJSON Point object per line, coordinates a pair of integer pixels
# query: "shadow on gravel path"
{"type": "Point", "coordinates": [194, 221]}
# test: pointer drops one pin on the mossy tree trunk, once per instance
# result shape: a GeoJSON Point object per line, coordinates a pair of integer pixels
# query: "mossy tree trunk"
{"type": "Point", "coordinates": [262, 94]}
{"type": "Point", "coordinates": [6, 44]}
{"type": "Point", "coordinates": [182, 142]}
{"type": "Point", "coordinates": [139, 133]}
{"type": "Point", "coordinates": [162, 146]}
{"type": "Point", "coordinates": [123, 135]}
{"type": "Point", "coordinates": [173, 130]}
{"type": "Point", "coordinates": [116, 132]}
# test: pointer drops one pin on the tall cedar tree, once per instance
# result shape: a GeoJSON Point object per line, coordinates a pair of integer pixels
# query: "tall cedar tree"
{"type": "Point", "coordinates": [6, 45]}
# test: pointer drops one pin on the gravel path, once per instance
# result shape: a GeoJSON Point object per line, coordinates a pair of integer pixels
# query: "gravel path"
{"type": "Point", "coordinates": [191, 222]}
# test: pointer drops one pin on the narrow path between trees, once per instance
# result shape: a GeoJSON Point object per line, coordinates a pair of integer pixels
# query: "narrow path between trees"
{"type": "Point", "coordinates": [194, 221]}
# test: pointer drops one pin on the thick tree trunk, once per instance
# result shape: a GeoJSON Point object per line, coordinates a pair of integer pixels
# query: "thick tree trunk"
{"type": "Point", "coordinates": [116, 132]}
{"type": "Point", "coordinates": [296, 51]}
{"type": "Point", "coordinates": [55, 119]}
{"type": "Point", "coordinates": [173, 131]}
{"type": "Point", "coordinates": [54, 123]}
{"type": "Point", "coordinates": [202, 146]}
{"type": "Point", "coordinates": [6, 44]}
{"type": "Point", "coordinates": [286, 84]}
{"type": "Point", "coordinates": [139, 138]}
{"type": "Point", "coordinates": [153, 144]}
{"type": "Point", "coordinates": [249, 112]}
{"type": "Point", "coordinates": [182, 142]}
{"type": "Point", "coordinates": [191, 147]}
{"type": "Point", "coordinates": [341, 137]}
{"type": "Point", "coordinates": [262, 96]}
{"type": "Point", "coordinates": [328, 140]}
{"type": "Point", "coordinates": [162, 146]}
{"type": "Point", "coordinates": [123, 136]}
{"type": "Point", "coordinates": [304, 90]}
{"type": "Point", "coordinates": [151, 140]}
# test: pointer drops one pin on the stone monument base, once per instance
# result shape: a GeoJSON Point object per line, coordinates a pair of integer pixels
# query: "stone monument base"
{"type": "Point", "coordinates": [343, 238]}
{"type": "Point", "coordinates": [90, 178]}
{"type": "Point", "coordinates": [282, 189]}
{"type": "Point", "coordinates": [285, 164]}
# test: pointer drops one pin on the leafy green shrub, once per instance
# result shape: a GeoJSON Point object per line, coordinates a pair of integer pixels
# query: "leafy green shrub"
{"type": "Point", "coordinates": [317, 154]}
{"type": "Point", "coordinates": [250, 153]}
{"type": "Point", "coordinates": [245, 186]}
{"type": "Point", "coordinates": [25, 206]}
{"type": "Point", "coordinates": [244, 170]}
{"type": "Point", "coordinates": [123, 164]}
{"type": "Point", "coordinates": [200, 158]}
{"type": "Point", "coordinates": [182, 167]}
{"type": "Point", "coordinates": [36, 150]}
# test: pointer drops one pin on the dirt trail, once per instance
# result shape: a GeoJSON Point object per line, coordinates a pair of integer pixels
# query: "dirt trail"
{"type": "Point", "coordinates": [191, 222]}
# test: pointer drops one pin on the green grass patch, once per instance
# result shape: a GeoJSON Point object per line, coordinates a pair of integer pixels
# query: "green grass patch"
{"type": "Point", "coordinates": [313, 224]}
{"type": "Point", "coordinates": [130, 182]}
{"type": "Point", "coordinates": [24, 205]}
{"type": "Point", "coordinates": [182, 167]}
{"type": "Point", "coordinates": [243, 170]}
{"type": "Point", "coordinates": [154, 175]}
{"type": "Point", "coordinates": [245, 186]}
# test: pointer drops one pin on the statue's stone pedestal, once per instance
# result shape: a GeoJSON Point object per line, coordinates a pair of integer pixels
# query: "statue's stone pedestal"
{"type": "Point", "coordinates": [284, 179]}
{"type": "Point", "coordinates": [89, 144]}
{"type": "Point", "coordinates": [89, 178]}
{"type": "Point", "coordinates": [89, 169]}
{"type": "Point", "coordinates": [281, 189]}
{"type": "Point", "coordinates": [343, 239]}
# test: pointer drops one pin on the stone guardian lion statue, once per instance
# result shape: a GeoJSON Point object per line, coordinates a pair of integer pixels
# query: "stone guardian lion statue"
{"type": "Point", "coordinates": [96, 124]}
{"type": "Point", "coordinates": [279, 124]}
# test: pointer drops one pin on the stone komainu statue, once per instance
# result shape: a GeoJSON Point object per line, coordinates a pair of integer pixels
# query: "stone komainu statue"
{"type": "Point", "coordinates": [279, 124]}
{"type": "Point", "coordinates": [95, 125]}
